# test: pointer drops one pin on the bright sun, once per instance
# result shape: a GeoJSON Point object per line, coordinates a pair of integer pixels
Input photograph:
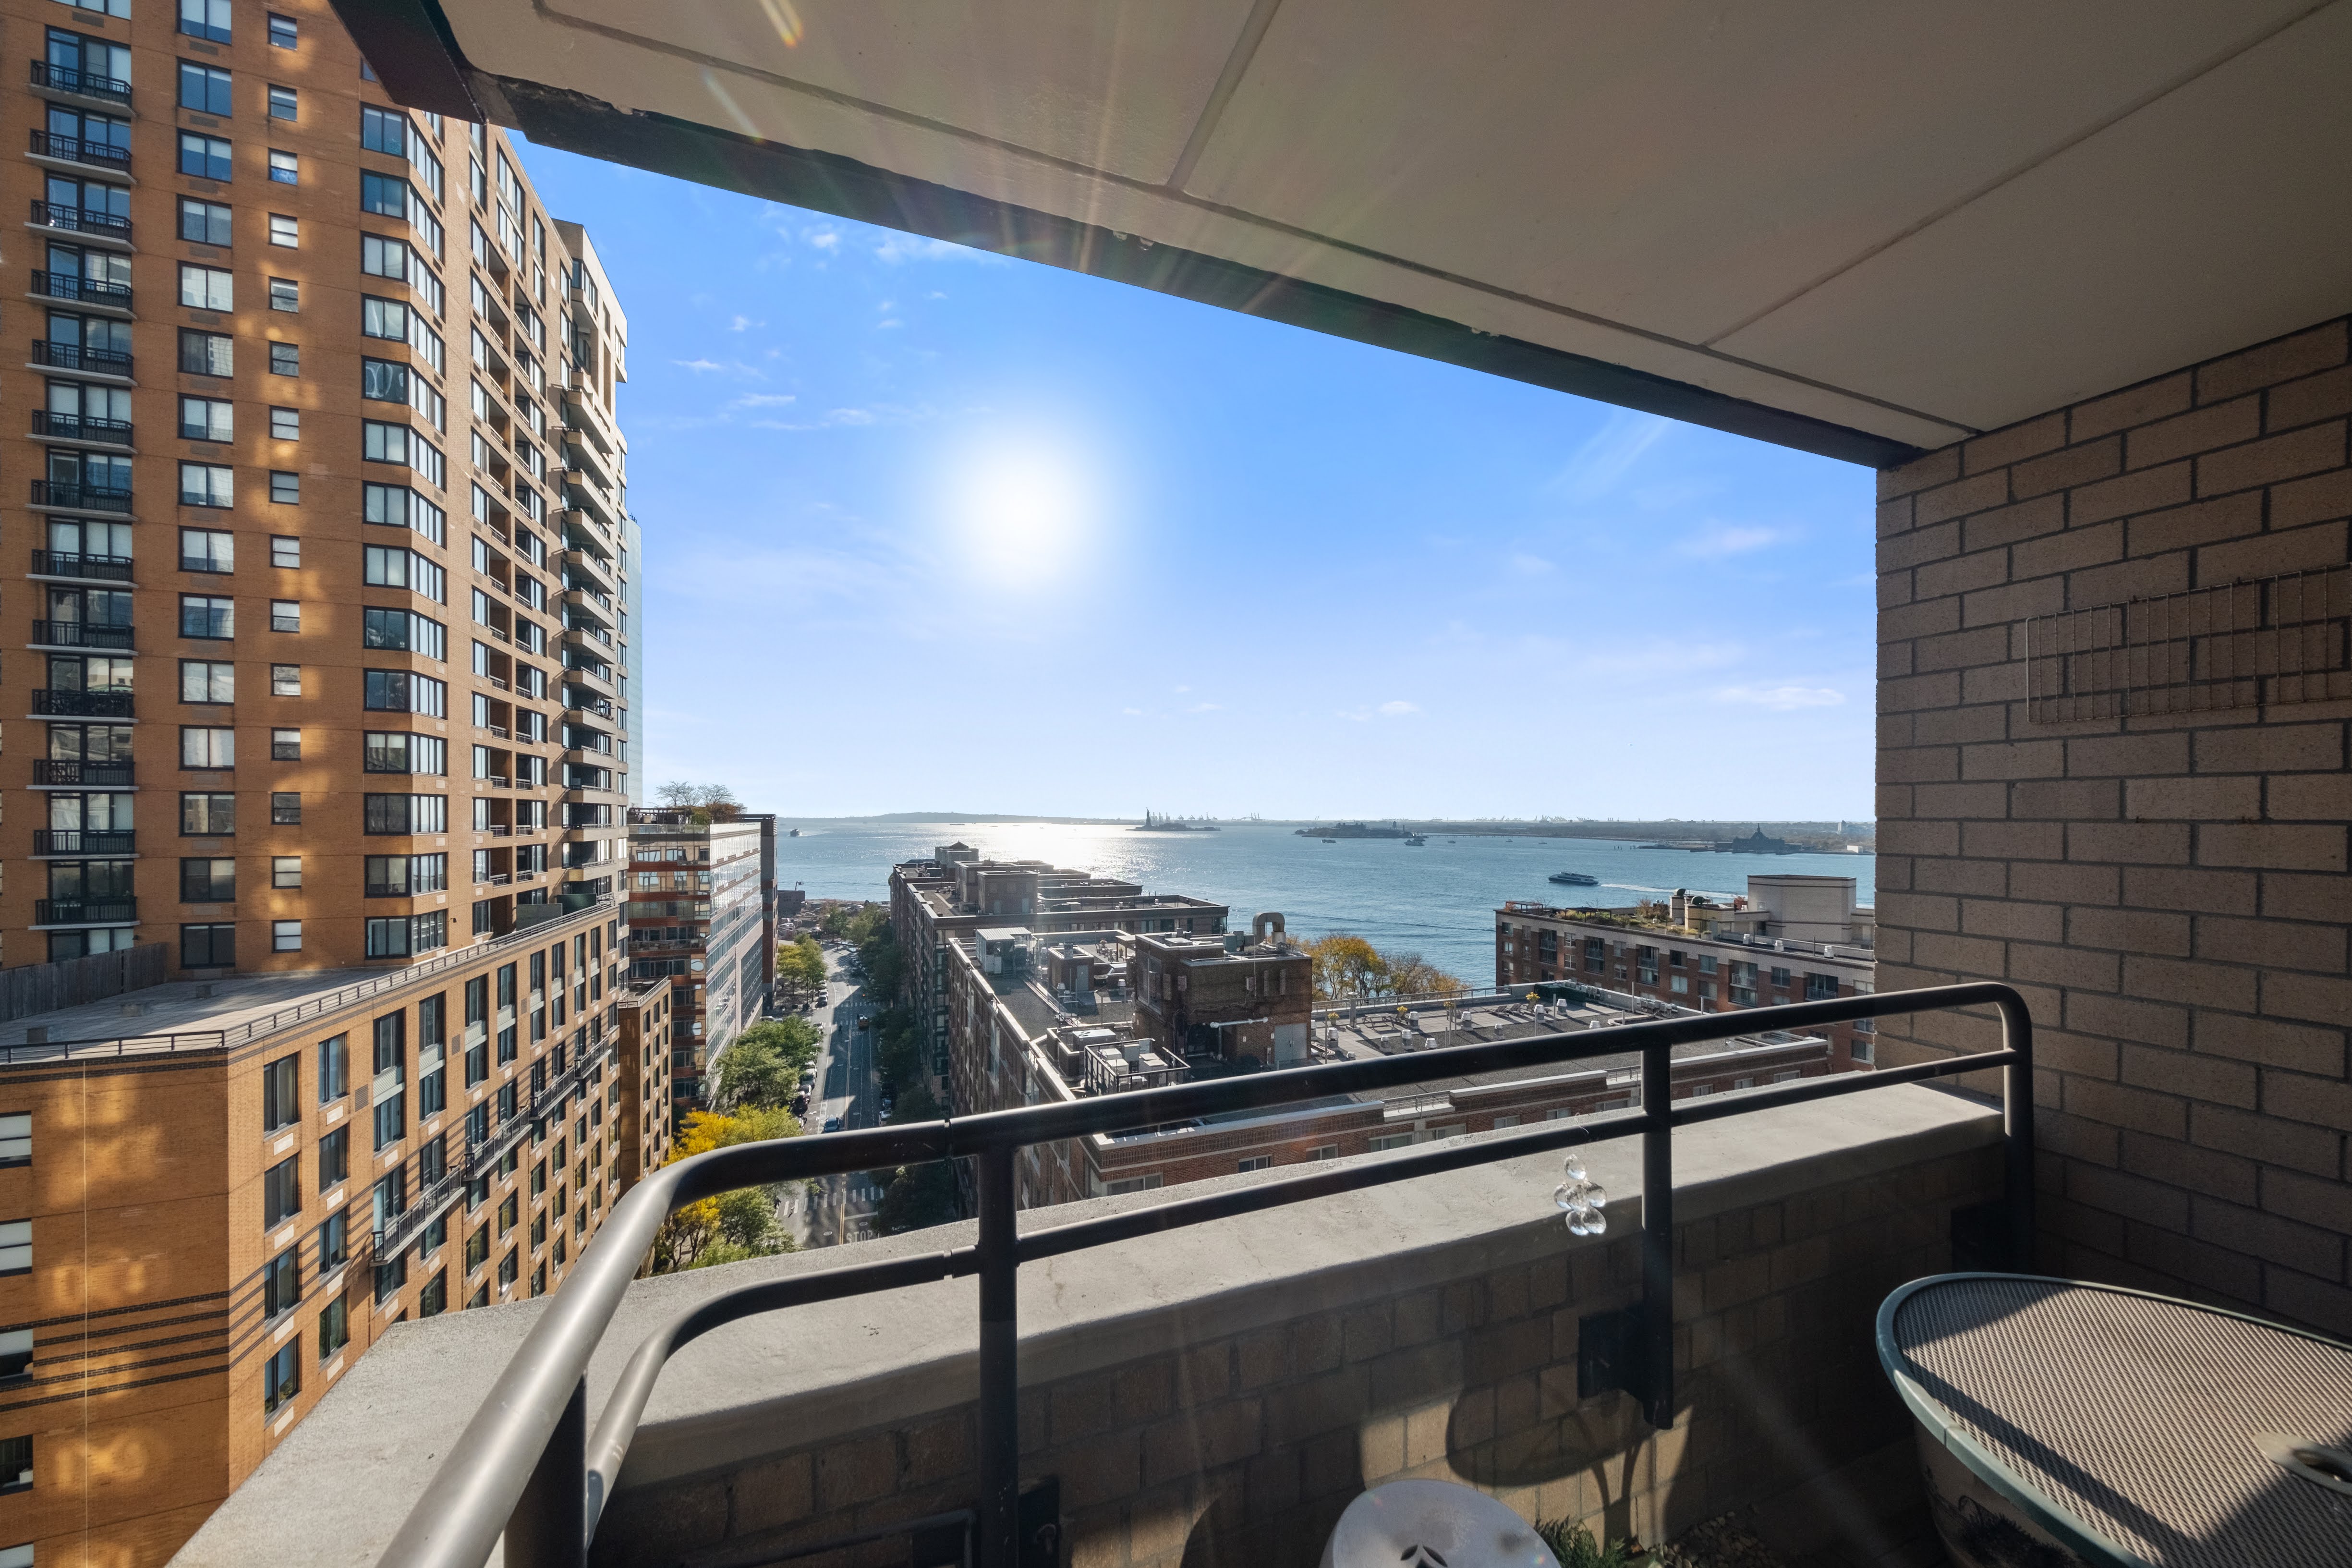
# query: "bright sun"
{"type": "Point", "coordinates": [1023, 508]}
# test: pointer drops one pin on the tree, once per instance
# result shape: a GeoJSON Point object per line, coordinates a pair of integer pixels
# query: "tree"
{"type": "Point", "coordinates": [1409, 974]}
{"type": "Point", "coordinates": [690, 1237]}
{"type": "Point", "coordinates": [708, 801]}
{"type": "Point", "coordinates": [919, 1196]}
{"type": "Point", "coordinates": [800, 965]}
{"type": "Point", "coordinates": [1345, 968]}
{"type": "Point", "coordinates": [762, 1067]}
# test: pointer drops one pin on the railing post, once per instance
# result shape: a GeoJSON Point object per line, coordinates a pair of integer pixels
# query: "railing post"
{"type": "Point", "coordinates": [999, 1374]}
{"type": "Point", "coordinates": [2017, 1121]}
{"type": "Point", "coordinates": [548, 1526]}
{"type": "Point", "coordinates": [1657, 1352]}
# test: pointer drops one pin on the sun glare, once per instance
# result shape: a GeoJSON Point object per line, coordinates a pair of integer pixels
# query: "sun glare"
{"type": "Point", "coordinates": [1023, 510]}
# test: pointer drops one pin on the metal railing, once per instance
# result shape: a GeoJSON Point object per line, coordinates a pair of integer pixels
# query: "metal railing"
{"type": "Point", "coordinates": [85, 840]}
{"type": "Point", "coordinates": [73, 773]}
{"type": "Point", "coordinates": [82, 83]}
{"type": "Point", "coordinates": [82, 634]}
{"type": "Point", "coordinates": [80, 428]}
{"type": "Point", "coordinates": [80, 149]}
{"type": "Point", "coordinates": [73, 356]}
{"type": "Point", "coordinates": [84, 912]}
{"type": "Point", "coordinates": [87, 290]}
{"type": "Point", "coordinates": [69, 496]}
{"type": "Point", "coordinates": [51, 701]}
{"type": "Point", "coordinates": [528, 1466]}
{"type": "Point", "coordinates": [80, 220]}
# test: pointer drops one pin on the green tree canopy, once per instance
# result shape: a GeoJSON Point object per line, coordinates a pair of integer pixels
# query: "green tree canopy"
{"type": "Point", "coordinates": [763, 1065]}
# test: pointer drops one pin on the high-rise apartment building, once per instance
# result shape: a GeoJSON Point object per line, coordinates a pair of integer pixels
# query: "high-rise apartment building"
{"type": "Point", "coordinates": [323, 539]}
{"type": "Point", "coordinates": [702, 913]}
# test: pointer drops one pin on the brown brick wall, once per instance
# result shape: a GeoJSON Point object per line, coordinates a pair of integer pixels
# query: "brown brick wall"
{"type": "Point", "coordinates": [2168, 891]}
{"type": "Point", "coordinates": [1243, 1447]}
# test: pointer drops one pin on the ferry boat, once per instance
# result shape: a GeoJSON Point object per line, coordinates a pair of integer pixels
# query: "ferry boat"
{"type": "Point", "coordinates": [1576, 878]}
{"type": "Point", "coordinates": [1417, 839]}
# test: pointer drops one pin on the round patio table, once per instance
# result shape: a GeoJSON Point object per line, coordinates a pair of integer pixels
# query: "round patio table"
{"type": "Point", "coordinates": [2063, 1422]}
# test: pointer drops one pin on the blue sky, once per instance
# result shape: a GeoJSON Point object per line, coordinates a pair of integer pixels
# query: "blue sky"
{"type": "Point", "coordinates": [930, 529]}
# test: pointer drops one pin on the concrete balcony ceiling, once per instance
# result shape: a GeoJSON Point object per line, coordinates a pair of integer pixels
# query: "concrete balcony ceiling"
{"type": "Point", "coordinates": [1833, 228]}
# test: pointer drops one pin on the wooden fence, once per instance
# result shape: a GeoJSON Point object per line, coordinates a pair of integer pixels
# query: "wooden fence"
{"type": "Point", "coordinates": [34, 988]}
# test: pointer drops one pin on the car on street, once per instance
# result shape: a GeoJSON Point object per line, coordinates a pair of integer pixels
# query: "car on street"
{"type": "Point", "coordinates": [833, 1124]}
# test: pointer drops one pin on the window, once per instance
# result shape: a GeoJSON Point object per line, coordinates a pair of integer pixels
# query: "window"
{"type": "Point", "coordinates": [208, 880]}
{"type": "Point", "coordinates": [389, 566]}
{"type": "Point", "coordinates": [281, 1377]}
{"type": "Point", "coordinates": [284, 746]}
{"type": "Point", "coordinates": [285, 294]}
{"type": "Point", "coordinates": [335, 1241]}
{"type": "Point", "coordinates": [282, 1284]}
{"type": "Point", "coordinates": [206, 353]}
{"type": "Point", "coordinates": [281, 103]}
{"type": "Point", "coordinates": [281, 1190]}
{"type": "Point", "coordinates": [1255, 1163]}
{"type": "Point", "coordinates": [207, 815]}
{"type": "Point", "coordinates": [285, 230]}
{"type": "Point", "coordinates": [1821, 987]}
{"type": "Point", "coordinates": [507, 1271]}
{"type": "Point", "coordinates": [398, 936]}
{"type": "Point", "coordinates": [386, 195]}
{"type": "Point", "coordinates": [334, 1162]}
{"type": "Point", "coordinates": [204, 157]}
{"type": "Point", "coordinates": [207, 287]}
{"type": "Point", "coordinates": [285, 809]}
{"type": "Point", "coordinates": [398, 692]}
{"type": "Point", "coordinates": [17, 1139]}
{"type": "Point", "coordinates": [286, 870]}
{"type": "Point", "coordinates": [205, 19]}
{"type": "Point", "coordinates": [334, 1069]}
{"type": "Point", "coordinates": [285, 424]}
{"type": "Point", "coordinates": [285, 615]}
{"type": "Point", "coordinates": [202, 680]}
{"type": "Point", "coordinates": [16, 1464]}
{"type": "Point", "coordinates": [478, 1252]}
{"type": "Point", "coordinates": [286, 936]}
{"type": "Point", "coordinates": [334, 1328]}
{"type": "Point", "coordinates": [384, 130]}
{"type": "Point", "coordinates": [283, 34]}
{"type": "Point", "coordinates": [285, 552]}
{"type": "Point", "coordinates": [207, 419]}
{"type": "Point", "coordinates": [394, 752]}
{"type": "Point", "coordinates": [285, 359]}
{"type": "Point", "coordinates": [207, 484]}
{"type": "Point", "coordinates": [402, 631]}
{"type": "Point", "coordinates": [207, 615]}
{"type": "Point", "coordinates": [204, 89]}
{"type": "Point", "coordinates": [208, 747]}
{"type": "Point", "coordinates": [15, 1246]}
{"type": "Point", "coordinates": [15, 1352]}
{"type": "Point", "coordinates": [284, 168]}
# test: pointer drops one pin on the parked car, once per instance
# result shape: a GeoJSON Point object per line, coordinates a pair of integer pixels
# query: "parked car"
{"type": "Point", "coordinates": [833, 1124]}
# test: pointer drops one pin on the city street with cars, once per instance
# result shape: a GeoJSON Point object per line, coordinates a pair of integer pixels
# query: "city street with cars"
{"type": "Point", "coordinates": [844, 1094]}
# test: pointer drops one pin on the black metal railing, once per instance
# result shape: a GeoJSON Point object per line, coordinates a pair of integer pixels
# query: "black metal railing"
{"type": "Point", "coordinates": [64, 704]}
{"type": "Point", "coordinates": [526, 1465]}
{"type": "Point", "coordinates": [86, 291]}
{"type": "Point", "coordinates": [73, 356]}
{"type": "Point", "coordinates": [75, 773]}
{"type": "Point", "coordinates": [82, 634]}
{"type": "Point", "coordinates": [81, 150]}
{"type": "Point", "coordinates": [82, 83]}
{"type": "Point", "coordinates": [84, 912]}
{"type": "Point", "coordinates": [85, 840]}
{"type": "Point", "coordinates": [72, 496]}
{"type": "Point", "coordinates": [91, 568]}
{"type": "Point", "coordinates": [81, 428]}
{"type": "Point", "coordinates": [80, 220]}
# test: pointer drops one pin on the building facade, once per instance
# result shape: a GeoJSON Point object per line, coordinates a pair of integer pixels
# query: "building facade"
{"type": "Point", "coordinates": [701, 909]}
{"type": "Point", "coordinates": [1792, 939]}
{"type": "Point", "coordinates": [313, 669]}
{"type": "Point", "coordinates": [641, 1134]}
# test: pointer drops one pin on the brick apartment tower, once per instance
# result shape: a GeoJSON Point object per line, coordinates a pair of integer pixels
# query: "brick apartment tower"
{"type": "Point", "coordinates": [323, 532]}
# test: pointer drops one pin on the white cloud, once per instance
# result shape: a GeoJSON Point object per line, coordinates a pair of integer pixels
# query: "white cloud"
{"type": "Point", "coordinates": [1394, 709]}
{"type": "Point", "coordinates": [1137, 712]}
{"type": "Point", "coordinates": [1717, 539]}
{"type": "Point", "coordinates": [884, 326]}
{"type": "Point", "coordinates": [734, 367]}
{"type": "Point", "coordinates": [763, 400]}
{"type": "Point", "coordinates": [1608, 453]}
{"type": "Point", "coordinates": [698, 365]}
{"type": "Point", "coordinates": [743, 324]}
{"type": "Point", "coordinates": [825, 238]}
{"type": "Point", "coordinates": [840, 418]}
{"type": "Point", "coordinates": [898, 247]}
{"type": "Point", "coordinates": [1782, 699]}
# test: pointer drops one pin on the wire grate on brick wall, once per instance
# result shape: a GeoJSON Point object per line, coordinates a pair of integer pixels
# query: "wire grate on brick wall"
{"type": "Point", "coordinates": [2267, 640]}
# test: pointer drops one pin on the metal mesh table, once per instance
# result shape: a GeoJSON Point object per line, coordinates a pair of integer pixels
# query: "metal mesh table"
{"type": "Point", "coordinates": [2131, 1428]}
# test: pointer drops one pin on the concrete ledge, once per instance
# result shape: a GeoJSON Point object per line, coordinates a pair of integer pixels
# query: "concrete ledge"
{"type": "Point", "coordinates": [833, 1371]}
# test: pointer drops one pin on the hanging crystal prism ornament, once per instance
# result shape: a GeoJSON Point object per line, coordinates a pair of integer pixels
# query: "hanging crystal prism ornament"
{"type": "Point", "coordinates": [1581, 1199]}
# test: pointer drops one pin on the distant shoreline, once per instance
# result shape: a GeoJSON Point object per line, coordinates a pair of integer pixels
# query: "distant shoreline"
{"type": "Point", "coordinates": [1664, 828]}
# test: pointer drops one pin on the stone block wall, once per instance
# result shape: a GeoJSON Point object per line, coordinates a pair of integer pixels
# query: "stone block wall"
{"type": "Point", "coordinates": [2168, 890]}
{"type": "Point", "coordinates": [1242, 1446]}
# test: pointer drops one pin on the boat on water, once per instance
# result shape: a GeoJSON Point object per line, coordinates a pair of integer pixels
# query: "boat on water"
{"type": "Point", "coordinates": [1576, 878]}
{"type": "Point", "coordinates": [1417, 839]}
{"type": "Point", "coordinates": [1331, 841]}
{"type": "Point", "coordinates": [1155, 823]}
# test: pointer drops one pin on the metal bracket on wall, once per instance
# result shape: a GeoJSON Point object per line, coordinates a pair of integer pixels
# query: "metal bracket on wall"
{"type": "Point", "coordinates": [1608, 1354]}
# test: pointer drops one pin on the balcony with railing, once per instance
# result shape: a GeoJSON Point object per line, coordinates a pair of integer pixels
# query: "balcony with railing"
{"type": "Point", "coordinates": [1212, 1372]}
{"type": "Point", "coordinates": [82, 568]}
{"type": "Point", "coordinates": [82, 634]}
{"type": "Point", "coordinates": [72, 495]}
{"type": "Point", "coordinates": [74, 357]}
{"type": "Point", "coordinates": [85, 911]}
{"type": "Point", "coordinates": [85, 841]}
{"type": "Point", "coordinates": [92, 222]}
{"type": "Point", "coordinates": [82, 151]}
{"type": "Point", "coordinates": [65, 81]}
{"type": "Point", "coordinates": [58, 426]}
{"type": "Point", "coordinates": [58, 702]}
{"type": "Point", "coordinates": [90, 293]}
{"type": "Point", "coordinates": [72, 772]}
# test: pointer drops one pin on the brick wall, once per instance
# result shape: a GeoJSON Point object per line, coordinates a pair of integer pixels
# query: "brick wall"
{"type": "Point", "coordinates": [2168, 890]}
{"type": "Point", "coordinates": [1241, 1444]}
